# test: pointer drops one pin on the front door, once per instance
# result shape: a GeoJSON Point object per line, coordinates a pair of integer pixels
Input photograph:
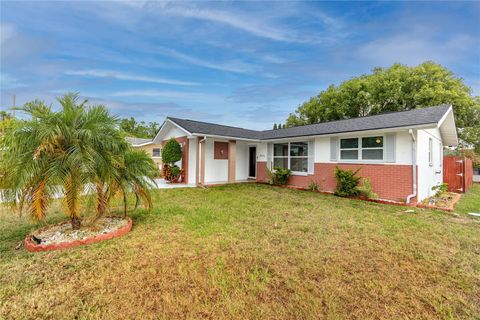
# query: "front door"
{"type": "Point", "coordinates": [252, 162]}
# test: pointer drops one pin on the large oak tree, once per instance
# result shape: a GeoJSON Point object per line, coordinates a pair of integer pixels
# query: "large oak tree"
{"type": "Point", "coordinates": [396, 88]}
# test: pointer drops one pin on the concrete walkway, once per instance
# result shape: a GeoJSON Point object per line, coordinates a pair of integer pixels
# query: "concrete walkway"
{"type": "Point", "coordinates": [163, 184]}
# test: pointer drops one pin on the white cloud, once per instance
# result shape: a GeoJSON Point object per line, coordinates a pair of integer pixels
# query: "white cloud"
{"type": "Point", "coordinates": [170, 94]}
{"type": "Point", "coordinates": [414, 48]}
{"type": "Point", "coordinates": [235, 20]}
{"type": "Point", "coordinates": [235, 66]}
{"type": "Point", "coordinates": [9, 82]}
{"type": "Point", "coordinates": [7, 32]}
{"type": "Point", "coordinates": [125, 76]}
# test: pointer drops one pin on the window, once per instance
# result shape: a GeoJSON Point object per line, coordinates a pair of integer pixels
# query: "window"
{"type": "Point", "coordinates": [372, 148]}
{"type": "Point", "coordinates": [366, 148]}
{"type": "Point", "coordinates": [291, 155]}
{"type": "Point", "coordinates": [156, 152]}
{"type": "Point", "coordinates": [349, 149]}
{"type": "Point", "coordinates": [430, 153]}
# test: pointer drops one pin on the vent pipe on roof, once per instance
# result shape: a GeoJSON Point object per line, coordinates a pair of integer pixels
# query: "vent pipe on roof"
{"type": "Point", "coordinates": [414, 166]}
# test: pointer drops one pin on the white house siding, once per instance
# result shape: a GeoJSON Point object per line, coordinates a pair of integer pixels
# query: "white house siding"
{"type": "Point", "coordinates": [262, 152]}
{"type": "Point", "coordinates": [403, 147]}
{"type": "Point", "coordinates": [429, 175]}
{"type": "Point", "coordinates": [241, 172]}
{"type": "Point", "coordinates": [174, 132]}
{"type": "Point", "coordinates": [192, 156]}
{"type": "Point", "coordinates": [216, 171]}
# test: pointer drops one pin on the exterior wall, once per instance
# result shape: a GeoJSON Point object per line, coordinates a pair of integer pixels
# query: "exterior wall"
{"type": "Point", "coordinates": [192, 155]}
{"type": "Point", "coordinates": [149, 150]}
{"type": "Point", "coordinates": [428, 175]}
{"type": "Point", "coordinates": [174, 132]}
{"type": "Point", "coordinates": [391, 181]}
{"type": "Point", "coordinates": [216, 171]}
{"type": "Point", "coordinates": [242, 160]}
{"type": "Point", "coordinates": [403, 147]}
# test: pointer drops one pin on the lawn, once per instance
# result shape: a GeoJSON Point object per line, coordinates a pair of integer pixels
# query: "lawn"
{"type": "Point", "coordinates": [471, 201]}
{"type": "Point", "coordinates": [254, 252]}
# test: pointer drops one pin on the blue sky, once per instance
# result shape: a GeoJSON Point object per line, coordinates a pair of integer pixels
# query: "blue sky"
{"type": "Point", "coordinates": [240, 63]}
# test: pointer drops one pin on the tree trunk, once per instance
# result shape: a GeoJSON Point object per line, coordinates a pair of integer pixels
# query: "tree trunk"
{"type": "Point", "coordinates": [76, 223]}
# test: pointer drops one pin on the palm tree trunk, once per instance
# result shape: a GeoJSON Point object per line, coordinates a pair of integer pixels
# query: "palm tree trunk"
{"type": "Point", "coordinates": [76, 223]}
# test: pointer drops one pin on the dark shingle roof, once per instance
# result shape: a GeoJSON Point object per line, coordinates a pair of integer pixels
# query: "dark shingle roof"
{"type": "Point", "coordinates": [216, 129]}
{"type": "Point", "coordinates": [412, 117]}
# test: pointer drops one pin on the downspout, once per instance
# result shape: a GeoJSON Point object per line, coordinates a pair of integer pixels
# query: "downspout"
{"type": "Point", "coordinates": [414, 166]}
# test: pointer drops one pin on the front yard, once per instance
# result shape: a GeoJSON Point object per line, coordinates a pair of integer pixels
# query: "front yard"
{"type": "Point", "coordinates": [254, 251]}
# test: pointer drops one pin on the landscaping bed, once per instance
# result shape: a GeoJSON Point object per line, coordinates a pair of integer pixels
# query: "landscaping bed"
{"type": "Point", "coordinates": [445, 201]}
{"type": "Point", "coordinates": [62, 236]}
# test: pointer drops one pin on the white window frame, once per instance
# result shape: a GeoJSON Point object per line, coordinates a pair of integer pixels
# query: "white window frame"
{"type": "Point", "coordinates": [160, 153]}
{"type": "Point", "coordinates": [289, 157]}
{"type": "Point", "coordinates": [360, 148]}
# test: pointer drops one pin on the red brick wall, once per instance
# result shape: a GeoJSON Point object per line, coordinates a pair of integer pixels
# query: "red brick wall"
{"type": "Point", "coordinates": [390, 182]}
{"type": "Point", "coordinates": [261, 171]}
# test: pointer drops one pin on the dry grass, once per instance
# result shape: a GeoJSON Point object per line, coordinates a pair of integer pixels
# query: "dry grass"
{"type": "Point", "coordinates": [253, 252]}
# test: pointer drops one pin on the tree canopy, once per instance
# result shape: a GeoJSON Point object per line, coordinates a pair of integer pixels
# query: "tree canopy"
{"type": "Point", "coordinates": [139, 129]}
{"type": "Point", "coordinates": [396, 88]}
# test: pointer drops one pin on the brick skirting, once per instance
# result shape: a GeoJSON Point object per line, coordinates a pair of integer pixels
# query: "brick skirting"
{"type": "Point", "coordinates": [390, 181]}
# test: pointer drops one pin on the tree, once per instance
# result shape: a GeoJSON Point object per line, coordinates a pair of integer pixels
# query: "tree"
{"type": "Point", "coordinates": [64, 152]}
{"type": "Point", "coordinates": [136, 174]}
{"type": "Point", "coordinates": [396, 88]}
{"type": "Point", "coordinates": [274, 126]}
{"type": "Point", "coordinates": [171, 152]}
{"type": "Point", "coordinates": [139, 129]}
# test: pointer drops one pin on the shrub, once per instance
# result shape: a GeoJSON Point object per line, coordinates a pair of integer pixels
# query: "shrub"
{"type": "Point", "coordinates": [347, 182]}
{"type": "Point", "coordinates": [313, 186]}
{"type": "Point", "coordinates": [440, 189]}
{"type": "Point", "coordinates": [278, 176]}
{"type": "Point", "coordinates": [171, 173]}
{"type": "Point", "coordinates": [171, 152]}
{"type": "Point", "coordinates": [366, 190]}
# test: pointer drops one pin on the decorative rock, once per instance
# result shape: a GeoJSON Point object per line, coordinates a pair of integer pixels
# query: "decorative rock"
{"type": "Point", "coordinates": [61, 236]}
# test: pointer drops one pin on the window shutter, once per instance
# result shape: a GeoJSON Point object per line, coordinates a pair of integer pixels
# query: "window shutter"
{"type": "Point", "coordinates": [311, 156]}
{"type": "Point", "coordinates": [270, 155]}
{"type": "Point", "coordinates": [333, 148]}
{"type": "Point", "coordinates": [390, 147]}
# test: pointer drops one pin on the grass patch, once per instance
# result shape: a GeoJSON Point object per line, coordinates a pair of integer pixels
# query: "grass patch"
{"type": "Point", "coordinates": [470, 201]}
{"type": "Point", "coordinates": [253, 251]}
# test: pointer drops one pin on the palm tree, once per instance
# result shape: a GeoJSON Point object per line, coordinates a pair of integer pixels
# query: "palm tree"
{"type": "Point", "coordinates": [60, 152]}
{"type": "Point", "coordinates": [136, 175]}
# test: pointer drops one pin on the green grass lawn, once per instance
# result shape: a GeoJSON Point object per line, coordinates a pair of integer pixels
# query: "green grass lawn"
{"type": "Point", "coordinates": [471, 201]}
{"type": "Point", "coordinates": [254, 252]}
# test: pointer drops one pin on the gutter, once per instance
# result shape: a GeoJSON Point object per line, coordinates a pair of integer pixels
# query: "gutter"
{"type": "Point", "coordinates": [414, 166]}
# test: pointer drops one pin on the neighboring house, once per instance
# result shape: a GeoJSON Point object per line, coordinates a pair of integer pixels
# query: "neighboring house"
{"type": "Point", "coordinates": [153, 149]}
{"type": "Point", "coordinates": [400, 153]}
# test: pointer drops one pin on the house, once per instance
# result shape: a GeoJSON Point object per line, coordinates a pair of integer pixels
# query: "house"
{"type": "Point", "coordinates": [151, 148]}
{"type": "Point", "coordinates": [400, 153]}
